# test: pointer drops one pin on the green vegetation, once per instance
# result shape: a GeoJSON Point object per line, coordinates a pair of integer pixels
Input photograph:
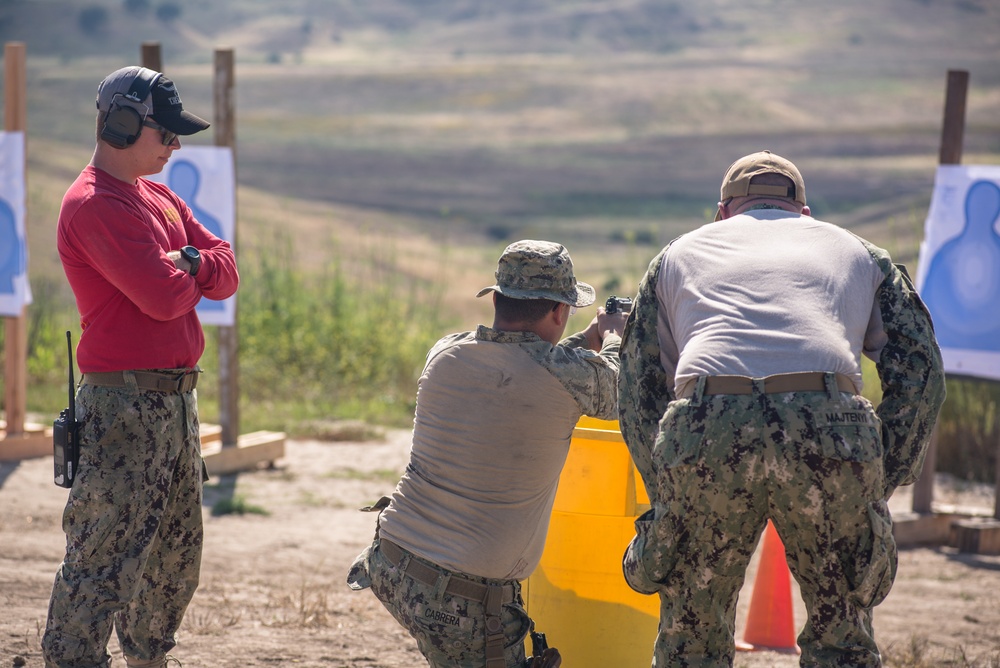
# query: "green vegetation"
{"type": "Point", "coordinates": [332, 345]}
{"type": "Point", "coordinates": [237, 505]}
{"type": "Point", "coordinates": [970, 426]}
{"type": "Point", "coordinates": [314, 347]}
{"type": "Point", "coordinates": [426, 135]}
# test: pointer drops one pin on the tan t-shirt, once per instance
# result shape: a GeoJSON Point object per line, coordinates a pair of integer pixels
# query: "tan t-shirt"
{"type": "Point", "coordinates": [495, 413]}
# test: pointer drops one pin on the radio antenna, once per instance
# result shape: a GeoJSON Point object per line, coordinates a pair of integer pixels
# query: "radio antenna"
{"type": "Point", "coordinates": [72, 393]}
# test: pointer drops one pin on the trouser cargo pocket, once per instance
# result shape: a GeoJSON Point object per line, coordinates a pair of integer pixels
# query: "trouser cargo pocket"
{"type": "Point", "coordinates": [875, 566]}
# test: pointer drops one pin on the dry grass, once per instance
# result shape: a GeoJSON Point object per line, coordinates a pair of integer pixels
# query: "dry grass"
{"type": "Point", "coordinates": [919, 653]}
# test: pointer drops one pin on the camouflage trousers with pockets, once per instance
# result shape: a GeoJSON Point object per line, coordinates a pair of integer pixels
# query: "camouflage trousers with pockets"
{"type": "Point", "coordinates": [450, 630]}
{"type": "Point", "coordinates": [133, 525]}
{"type": "Point", "coordinates": [809, 461]}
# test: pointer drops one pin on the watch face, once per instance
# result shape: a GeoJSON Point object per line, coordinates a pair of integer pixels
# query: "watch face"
{"type": "Point", "coordinates": [192, 255]}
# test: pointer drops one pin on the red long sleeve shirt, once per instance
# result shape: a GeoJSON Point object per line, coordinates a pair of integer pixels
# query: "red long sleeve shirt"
{"type": "Point", "coordinates": [137, 310]}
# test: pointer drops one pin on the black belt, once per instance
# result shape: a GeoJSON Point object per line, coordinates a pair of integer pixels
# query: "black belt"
{"type": "Point", "coordinates": [181, 380]}
{"type": "Point", "coordinates": [429, 575]}
{"type": "Point", "coordinates": [809, 381]}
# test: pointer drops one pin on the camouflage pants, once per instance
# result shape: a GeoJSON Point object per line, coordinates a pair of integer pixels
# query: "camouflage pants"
{"type": "Point", "coordinates": [809, 461]}
{"type": "Point", "coordinates": [133, 527]}
{"type": "Point", "coordinates": [449, 630]}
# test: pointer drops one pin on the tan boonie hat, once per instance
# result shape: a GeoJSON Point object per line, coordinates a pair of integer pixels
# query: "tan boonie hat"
{"type": "Point", "coordinates": [531, 269]}
{"type": "Point", "coordinates": [736, 182]}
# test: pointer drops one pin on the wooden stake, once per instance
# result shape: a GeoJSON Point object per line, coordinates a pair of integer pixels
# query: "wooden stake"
{"type": "Point", "coordinates": [151, 57]}
{"type": "Point", "coordinates": [15, 328]}
{"type": "Point", "coordinates": [225, 135]}
{"type": "Point", "coordinates": [952, 136]}
{"type": "Point", "coordinates": [953, 128]}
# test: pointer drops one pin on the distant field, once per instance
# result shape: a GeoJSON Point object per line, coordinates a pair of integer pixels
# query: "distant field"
{"type": "Point", "coordinates": [451, 128]}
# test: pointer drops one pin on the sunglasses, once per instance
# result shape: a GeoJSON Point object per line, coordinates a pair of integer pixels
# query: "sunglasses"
{"type": "Point", "coordinates": [167, 135]}
{"type": "Point", "coordinates": [572, 309]}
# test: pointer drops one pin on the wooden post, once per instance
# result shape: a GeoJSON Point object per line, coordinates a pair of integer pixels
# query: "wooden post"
{"type": "Point", "coordinates": [234, 453]}
{"type": "Point", "coordinates": [225, 135]}
{"type": "Point", "coordinates": [996, 487]}
{"type": "Point", "coordinates": [15, 328]}
{"type": "Point", "coordinates": [953, 129]}
{"type": "Point", "coordinates": [923, 488]}
{"type": "Point", "coordinates": [151, 57]}
{"type": "Point", "coordinates": [952, 136]}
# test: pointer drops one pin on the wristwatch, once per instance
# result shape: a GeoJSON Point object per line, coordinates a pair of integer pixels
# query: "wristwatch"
{"type": "Point", "coordinates": [192, 255]}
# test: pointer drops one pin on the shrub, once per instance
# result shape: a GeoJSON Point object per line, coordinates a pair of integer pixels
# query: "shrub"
{"type": "Point", "coordinates": [168, 11]}
{"type": "Point", "coordinates": [93, 19]}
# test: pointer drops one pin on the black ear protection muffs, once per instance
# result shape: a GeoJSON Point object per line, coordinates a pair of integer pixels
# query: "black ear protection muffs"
{"type": "Point", "coordinates": [123, 124]}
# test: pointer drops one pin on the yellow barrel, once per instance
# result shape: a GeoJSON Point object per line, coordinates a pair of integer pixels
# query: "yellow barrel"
{"type": "Point", "coordinates": [577, 595]}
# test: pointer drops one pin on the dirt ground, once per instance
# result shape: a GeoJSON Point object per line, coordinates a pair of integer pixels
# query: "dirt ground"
{"type": "Point", "coordinates": [273, 589]}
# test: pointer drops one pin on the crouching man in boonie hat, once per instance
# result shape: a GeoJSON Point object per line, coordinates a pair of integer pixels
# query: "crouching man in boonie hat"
{"type": "Point", "coordinates": [495, 411]}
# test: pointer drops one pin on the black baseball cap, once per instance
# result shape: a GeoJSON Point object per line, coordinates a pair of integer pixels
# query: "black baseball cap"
{"type": "Point", "coordinates": [151, 94]}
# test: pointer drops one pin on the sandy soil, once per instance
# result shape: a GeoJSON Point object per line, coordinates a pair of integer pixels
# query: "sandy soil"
{"type": "Point", "coordinates": [273, 589]}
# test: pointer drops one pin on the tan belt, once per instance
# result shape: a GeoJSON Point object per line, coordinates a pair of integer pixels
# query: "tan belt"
{"type": "Point", "coordinates": [810, 381]}
{"type": "Point", "coordinates": [181, 380]}
{"type": "Point", "coordinates": [457, 585]}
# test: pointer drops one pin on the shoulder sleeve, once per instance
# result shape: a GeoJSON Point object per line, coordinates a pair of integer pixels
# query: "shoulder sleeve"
{"type": "Point", "coordinates": [643, 387]}
{"type": "Point", "coordinates": [121, 242]}
{"type": "Point", "coordinates": [912, 375]}
{"type": "Point", "coordinates": [578, 340]}
{"type": "Point", "coordinates": [590, 378]}
{"type": "Point", "coordinates": [218, 277]}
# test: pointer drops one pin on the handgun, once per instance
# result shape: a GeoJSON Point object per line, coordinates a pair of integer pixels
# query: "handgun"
{"type": "Point", "coordinates": [65, 433]}
{"type": "Point", "coordinates": [618, 305]}
{"type": "Point", "coordinates": [538, 643]}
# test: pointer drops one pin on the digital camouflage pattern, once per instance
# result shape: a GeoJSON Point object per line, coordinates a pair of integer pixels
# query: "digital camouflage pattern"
{"type": "Point", "coordinates": [133, 528]}
{"type": "Point", "coordinates": [530, 269]}
{"type": "Point", "coordinates": [810, 461]}
{"type": "Point", "coordinates": [590, 378]}
{"type": "Point", "coordinates": [911, 372]}
{"type": "Point", "coordinates": [909, 366]}
{"type": "Point", "coordinates": [820, 465]}
{"type": "Point", "coordinates": [450, 630]}
{"type": "Point", "coordinates": [593, 384]}
{"type": "Point", "coordinates": [643, 387]}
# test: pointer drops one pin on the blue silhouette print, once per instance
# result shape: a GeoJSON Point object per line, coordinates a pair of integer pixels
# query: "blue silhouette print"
{"type": "Point", "coordinates": [962, 289]}
{"type": "Point", "coordinates": [11, 250]}
{"type": "Point", "coordinates": [185, 180]}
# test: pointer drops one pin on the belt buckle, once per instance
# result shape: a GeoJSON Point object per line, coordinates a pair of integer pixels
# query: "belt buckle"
{"type": "Point", "coordinates": [187, 380]}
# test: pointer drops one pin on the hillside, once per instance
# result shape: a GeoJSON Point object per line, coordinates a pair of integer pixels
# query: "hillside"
{"type": "Point", "coordinates": [597, 122]}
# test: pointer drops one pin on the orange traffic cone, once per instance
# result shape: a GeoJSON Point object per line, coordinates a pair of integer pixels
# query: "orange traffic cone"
{"type": "Point", "coordinates": [771, 620]}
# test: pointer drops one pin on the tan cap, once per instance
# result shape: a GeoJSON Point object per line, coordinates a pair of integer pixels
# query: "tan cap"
{"type": "Point", "coordinates": [736, 182]}
{"type": "Point", "coordinates": [532, 269]}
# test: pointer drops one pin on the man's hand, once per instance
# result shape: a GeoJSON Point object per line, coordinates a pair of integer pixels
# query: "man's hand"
{"type": "Point", "coordinates": [180, 261]}
{"type": "Point", "coordinates": [550, 658]}
{"type": "Point", "coordinates": [593, 335]}
{"type": "Point", "coordinates": [603, 325]}
{"type": "Point", "coordinates": [610, 323]}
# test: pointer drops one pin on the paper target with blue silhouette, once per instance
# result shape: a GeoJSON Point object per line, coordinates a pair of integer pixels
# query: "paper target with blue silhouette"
{"type": "Point", "coordinates": [959, 269]}
{"type": "Point", "coordinates": [203, 177]}
{"type": "Point", "coordinates": [15, 292]}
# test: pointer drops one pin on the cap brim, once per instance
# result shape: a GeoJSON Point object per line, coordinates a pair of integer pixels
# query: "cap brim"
{"type": "Point", "coordinates": [183, 123]}
{"type": "Point", "coordinates": [584, 295]}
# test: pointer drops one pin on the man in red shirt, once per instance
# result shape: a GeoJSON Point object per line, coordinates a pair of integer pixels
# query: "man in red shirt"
{"type": "Point", "coordinates": [138, 263]}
